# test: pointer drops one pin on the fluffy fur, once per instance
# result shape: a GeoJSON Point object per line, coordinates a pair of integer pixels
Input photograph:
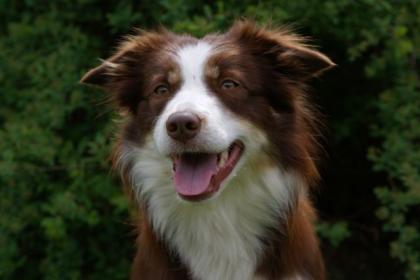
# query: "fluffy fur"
{"type": "Point", "coordinates": [258, 225]}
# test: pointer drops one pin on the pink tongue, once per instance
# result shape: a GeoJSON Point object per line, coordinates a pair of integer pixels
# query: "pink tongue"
{"type": "Point", "coordinates": [193, 173]}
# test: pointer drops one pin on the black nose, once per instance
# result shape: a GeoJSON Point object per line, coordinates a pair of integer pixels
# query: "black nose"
{"type": "Point", "coordinates": [183, 126]}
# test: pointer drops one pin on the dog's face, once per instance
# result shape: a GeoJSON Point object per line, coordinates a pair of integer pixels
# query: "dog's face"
{"type": "Point", "coordinates": [206, 107]}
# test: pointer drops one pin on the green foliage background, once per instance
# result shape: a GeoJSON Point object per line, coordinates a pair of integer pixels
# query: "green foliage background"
{"type": "Point", "coordinates": [64, 216]}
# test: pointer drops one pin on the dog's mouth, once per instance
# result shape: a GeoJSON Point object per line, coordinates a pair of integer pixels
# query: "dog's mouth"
{"type": "Point", "coordinates": [198, 176]}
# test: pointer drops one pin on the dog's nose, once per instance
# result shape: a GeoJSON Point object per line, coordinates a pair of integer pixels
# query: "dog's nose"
{"type": "Point", "coordinates": [183, 126]}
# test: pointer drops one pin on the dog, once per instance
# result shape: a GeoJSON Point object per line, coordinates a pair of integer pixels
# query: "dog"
{"type": "Point", "coordinates": [218, 143]}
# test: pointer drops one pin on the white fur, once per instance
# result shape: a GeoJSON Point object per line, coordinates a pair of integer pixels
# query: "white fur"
{"type": "Point", "coordinates": [216, 133]}
{"type": "Point", "coordinates": [217, 238]}
{"type": "Point", "coordinates": [109, 64]}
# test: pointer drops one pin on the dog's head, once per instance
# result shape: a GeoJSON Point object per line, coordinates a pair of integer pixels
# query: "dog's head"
{"type": "Point", "coordinates": [205, 107]}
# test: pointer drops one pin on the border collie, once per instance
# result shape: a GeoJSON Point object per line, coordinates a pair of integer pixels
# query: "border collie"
{"type": "Point", "coordinates": [218, 144]}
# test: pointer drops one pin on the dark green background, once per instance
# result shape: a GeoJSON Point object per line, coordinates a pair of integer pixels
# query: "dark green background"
{"type": "Point", "coordinates": [64, 216]}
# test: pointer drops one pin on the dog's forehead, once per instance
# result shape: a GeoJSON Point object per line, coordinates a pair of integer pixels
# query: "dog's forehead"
{"type": "Point", "coordinates": [203, 57]}
{"type": "Point", "coordinates": [192, 59]}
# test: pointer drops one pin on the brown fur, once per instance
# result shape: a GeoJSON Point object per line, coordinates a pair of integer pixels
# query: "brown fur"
{"type": "Point", "coordinates": [153, 260]}
{"type": "Point", "coordinates": [272, 66]}
{"type": "Point", "coordinates": [296, 249]}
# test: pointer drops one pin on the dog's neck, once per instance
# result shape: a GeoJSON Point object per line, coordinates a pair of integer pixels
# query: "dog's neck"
{"type": "Point", "coordinates": [219, 238]}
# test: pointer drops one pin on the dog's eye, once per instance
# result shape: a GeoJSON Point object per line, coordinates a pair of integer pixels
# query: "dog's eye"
{"type": "Point", "coordinates": [161, 90]}
{"type": "Point", "coordinates": [229, 84]}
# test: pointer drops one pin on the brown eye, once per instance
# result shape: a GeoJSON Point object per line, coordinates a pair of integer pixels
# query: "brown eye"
{"type": "Point", "coordinates": [229, 84]}
{"type": "Point", "coordinates": [161, 90]}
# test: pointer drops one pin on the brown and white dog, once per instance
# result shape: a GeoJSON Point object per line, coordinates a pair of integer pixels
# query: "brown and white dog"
{"type": "Point", "coordinates": [218, 144]}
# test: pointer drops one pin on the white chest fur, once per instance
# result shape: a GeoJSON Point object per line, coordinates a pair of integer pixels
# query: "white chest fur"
{"type": "Point", "coordinates": [218, 238]}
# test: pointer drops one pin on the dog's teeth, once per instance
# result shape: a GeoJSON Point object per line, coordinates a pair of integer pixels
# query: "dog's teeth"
{"type": "Point", "coordinates": [223, 158]}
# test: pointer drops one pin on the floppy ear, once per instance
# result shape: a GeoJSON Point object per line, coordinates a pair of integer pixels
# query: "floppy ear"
{"type": "Point", "coordinates": [129, 54]}
{"type": "Point", "coordinates": [123, 74]}
{"type": "Point", "coordinates": [311, 62]}
{"type": "Point", "coordinates": [99, 75]}
{"type": "Point", "coordinates": [117, 64]}
{"type": "Point", "coordinates": [288, 52]}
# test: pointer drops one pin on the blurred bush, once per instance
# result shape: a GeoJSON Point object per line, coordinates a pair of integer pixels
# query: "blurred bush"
{"type": "Point", "coordinates": [63, 216]}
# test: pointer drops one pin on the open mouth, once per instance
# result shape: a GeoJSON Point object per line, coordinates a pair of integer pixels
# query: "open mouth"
{"type": "Point", "coordinates": [198, 176]}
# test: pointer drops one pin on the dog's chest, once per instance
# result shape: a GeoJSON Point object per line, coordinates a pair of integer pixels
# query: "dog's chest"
{"type": "Point", "coordinates": [218, 245]}
{"type": "Point", "coordinates": [220, 239]}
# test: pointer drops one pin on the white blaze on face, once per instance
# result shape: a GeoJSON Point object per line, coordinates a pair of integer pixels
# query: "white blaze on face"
{"type": "Point", "coordinates": [192, 60]}
{"type": "Point", "coordinates": [216, 133]}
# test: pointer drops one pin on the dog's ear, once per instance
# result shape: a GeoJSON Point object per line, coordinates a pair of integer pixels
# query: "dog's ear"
{"type": "Point", "coordinates": [123, 74]}
{"type": "Point", "coordinates": [288, 52]}
{"type": "Point", "coordinates": [111, 67]}
{"type": "Point", "coordinates": [99, 75]}
{"type": "Point", "coordinates": [128, 54]}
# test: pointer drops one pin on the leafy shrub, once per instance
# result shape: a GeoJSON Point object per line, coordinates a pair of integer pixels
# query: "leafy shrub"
{"type": "Point", "coordinates": [63, 216]}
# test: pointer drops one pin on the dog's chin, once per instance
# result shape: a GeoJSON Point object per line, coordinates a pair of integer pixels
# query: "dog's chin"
{"type": "Point", "coordinates": [198, 176]}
